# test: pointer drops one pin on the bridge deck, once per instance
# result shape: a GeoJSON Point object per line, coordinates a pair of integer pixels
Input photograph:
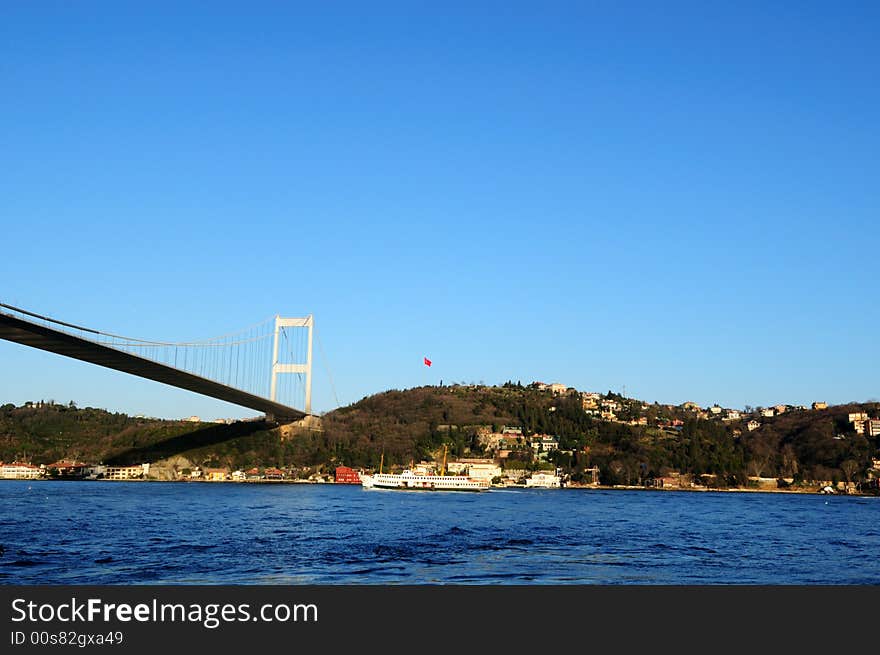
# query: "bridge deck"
{"type": "Point", "coordinates": [31, 334]}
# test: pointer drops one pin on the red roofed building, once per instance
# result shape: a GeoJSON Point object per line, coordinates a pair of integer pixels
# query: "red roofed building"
{"type": "Point", "coordinates": [346, 475]}
{"type": "Point", "coordinates": [274, 474]}
{"type": "Point", "coordinates": [65, 469]}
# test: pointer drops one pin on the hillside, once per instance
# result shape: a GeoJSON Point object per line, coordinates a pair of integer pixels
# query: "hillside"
{"type": "Point", "coordinates": [414, 424]}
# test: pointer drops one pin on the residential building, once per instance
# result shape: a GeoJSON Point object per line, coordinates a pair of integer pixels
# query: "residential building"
{"type": "Point", "coordinates": [215, 474]}
{"type": "Point", "coordinates": [65, 469]}
{"type": "Point", "coordinates": [857, 416]}
{"type": "Point", "coordinates": [690, 406]}
{"type": "Point", "coordinates": [20, 471]}
{"type": "Point", "coordinates": [753, 425]}
{"type": "Point", "coordinates": [859, 426]}
{"type": "Point", "coordinates": [590, 400]}
{"type": "Point", "coordinates": [544, 479]}
{"type": "Point", "coordinates": [491, 440]}
{"type": "Point", "coordinates": [780, 409]}
{"type": "Point", "coordinates": [768, 412]}
{"type": "Point", "coordinates": [733, 415]}
{"type": "Point", "coordinates": [484, 471]}
{"type": "Point", "coordinates": [558, 388]}
{"type": "Point", "coordinates": [273, 474]}
{"type": "Point", "coordinates": [544, 443]}
{"type": "Point", "coordinates": [346, 475]}
{"type": "Point", "coordinates": [239, 476]}
{"type": "Point", "coordinates": [872, 427]}
{"type": "Point", "coordinates": [424, 468]}
{"type": "Point", "coordinates": [820, 405]}
{"type": "Point", "coordinates": [715, 410]}
{"type": "Point", "coordinates": [134, 472]}
{"type": "Point", "coordinates": [193, 419]}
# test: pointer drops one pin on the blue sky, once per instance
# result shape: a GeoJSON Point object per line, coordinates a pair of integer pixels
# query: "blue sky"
{"type": "Point", "coordinates": [676, 197]}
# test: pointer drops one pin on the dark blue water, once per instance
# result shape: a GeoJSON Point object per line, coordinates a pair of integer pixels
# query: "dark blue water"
{"type": "Point", "coordinates": [145, 533]}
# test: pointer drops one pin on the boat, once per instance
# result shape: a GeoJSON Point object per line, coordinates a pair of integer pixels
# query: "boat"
{"type": "Point", "coordinates": [410, 481]}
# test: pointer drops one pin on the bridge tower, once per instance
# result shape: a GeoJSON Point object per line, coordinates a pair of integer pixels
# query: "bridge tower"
{"type": "Point", "coordinates": [277, 367]}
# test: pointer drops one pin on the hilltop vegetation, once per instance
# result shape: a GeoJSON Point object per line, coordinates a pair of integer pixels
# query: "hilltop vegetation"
{"type": "Point", "coordinates": [415, 424]}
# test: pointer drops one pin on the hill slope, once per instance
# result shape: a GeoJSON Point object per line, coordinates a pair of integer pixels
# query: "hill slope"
{"type": "Point", "coordinates": [416, 423]}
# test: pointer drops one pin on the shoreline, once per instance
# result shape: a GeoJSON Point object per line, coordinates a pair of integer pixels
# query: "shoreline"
{"type": "Point", "coordinates": [816, 491]}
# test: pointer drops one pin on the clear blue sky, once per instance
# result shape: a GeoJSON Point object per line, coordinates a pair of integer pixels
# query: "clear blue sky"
{"type": "Point", "coordinates": [677, 197]}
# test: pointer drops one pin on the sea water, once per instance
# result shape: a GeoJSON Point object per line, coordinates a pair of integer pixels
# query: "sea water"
{"type": "Point", "coordinates": [216, 533]}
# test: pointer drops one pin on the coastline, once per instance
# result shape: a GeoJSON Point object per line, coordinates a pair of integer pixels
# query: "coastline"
{"type": "Point", "coordinates": [596, 487]}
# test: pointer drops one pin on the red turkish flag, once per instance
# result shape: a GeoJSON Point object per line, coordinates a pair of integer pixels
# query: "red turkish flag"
{"type": "Point", "coordinates": [427, 362]}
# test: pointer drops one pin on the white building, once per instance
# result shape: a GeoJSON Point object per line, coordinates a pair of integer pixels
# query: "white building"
{"type": "Point", "coordinates": [135, 472]}
{"type": "Point", "coordinates": [544, 443]}
{"type": "Point", "coordinates": [20, 471]}
{"type": "Point", "coordinates": [753, 425]}
{"type": "Point", "coordinates": [544, 480]}
{"type": "Point", "coordinates": [484, 471]}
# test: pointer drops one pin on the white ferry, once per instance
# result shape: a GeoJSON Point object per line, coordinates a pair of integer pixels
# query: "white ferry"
{"type": "Point", "coordinates": [415, 482]}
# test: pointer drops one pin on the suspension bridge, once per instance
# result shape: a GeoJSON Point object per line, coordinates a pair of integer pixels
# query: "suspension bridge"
{"type": "Point", "coordinates": [266, 367]}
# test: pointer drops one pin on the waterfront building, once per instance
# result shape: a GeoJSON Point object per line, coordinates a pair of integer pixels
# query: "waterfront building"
{"type": "Point", "coordinates": [21, 471]}
{"type": "Point", "coordinates": [215, 474]}
{"type": "Point", "coordinates": [544, 480]}
{"type": "Point", "coordinates": [65, 469]}
{"type": "Point", "coordinates": [136, 472]}
{"type": "Point", "coordinates": [346, 475]}
{"type": "Point", "coordinates": [483, 470]}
